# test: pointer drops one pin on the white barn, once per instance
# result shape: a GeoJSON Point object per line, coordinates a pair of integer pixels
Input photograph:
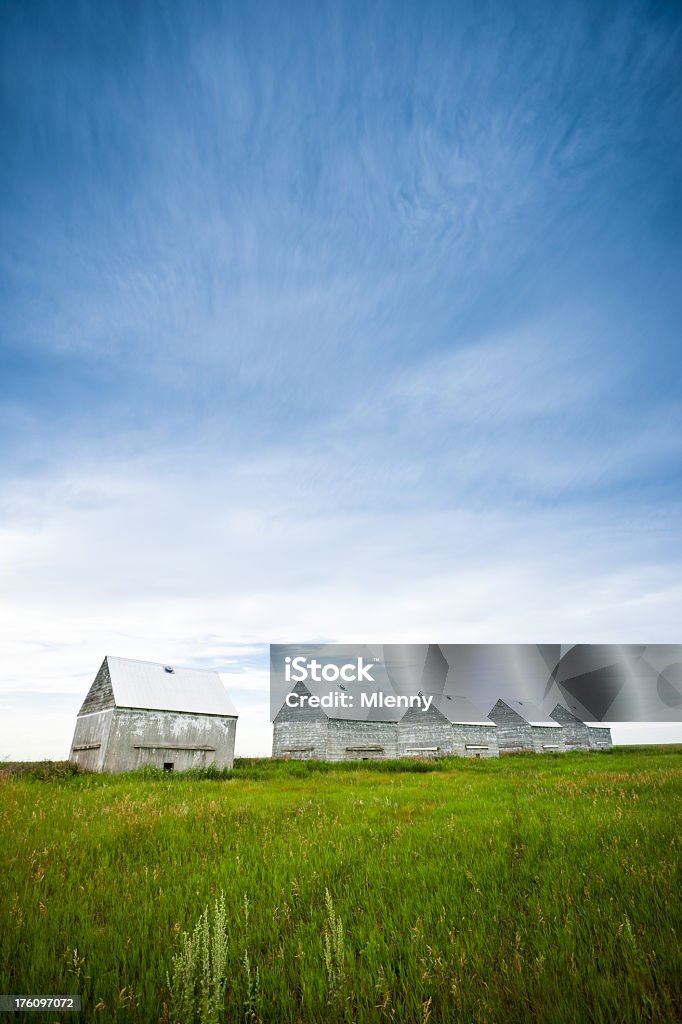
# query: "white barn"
{"type": "Point", "coordinates": [579, 735]}
{"type": "Point", "coordinates": [140, 713]}
{"type": "Point", "coordinates": [576, 736]}
{"type": "Point", "coordinates": [351, 733]}
{"type": "Point", "coordinates": [452, 726]}
{"type": "Point", "coordinates": [522, 726]}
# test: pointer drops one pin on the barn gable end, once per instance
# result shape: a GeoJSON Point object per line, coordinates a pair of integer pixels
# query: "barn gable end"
{"type": "Point", "coordinates": [140, 713]}
{"type": "Point", "coordinates": [522, 727]}
{"type": "Point", "coordinates": [425, 733]}
{"type": "Point", "coordinates": [300, 733]}
{"type": "Point", "coordinates": [101, 694]}
{"type": "Point", "coordinates": [350, 733]}
{"type": "Point", "coordinates": [453, 725]}
{"type": "Point", "coordinates": [575, 731]}
{"type": "Point", "coordinates": [303, 713]}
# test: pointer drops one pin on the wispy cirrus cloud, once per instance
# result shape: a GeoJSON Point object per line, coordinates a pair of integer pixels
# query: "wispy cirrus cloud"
{"type": "Point", "coordinates": [335, 322]}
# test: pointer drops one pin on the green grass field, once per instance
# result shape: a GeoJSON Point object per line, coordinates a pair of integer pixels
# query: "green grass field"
{"type": "Point", "coordinates": [524, 889]}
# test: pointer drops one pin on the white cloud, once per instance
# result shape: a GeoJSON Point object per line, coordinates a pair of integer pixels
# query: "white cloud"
{"type": "Point", "coordinates": [194, 555]}
{"type": "Point", "coordinates": [187, 574]}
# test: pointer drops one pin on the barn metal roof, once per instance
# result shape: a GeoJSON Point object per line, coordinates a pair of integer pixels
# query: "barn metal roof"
{"type": "Point", "coordinates": [458, 709]}
{"type": "Point", "coordinates": [147, 685]}
{"type": "Point", "coordinates": [530, 713]}
{"type": "Point", "coordinates": [580, 721]}
{"type": "Point", "coordinates": [562, 711]}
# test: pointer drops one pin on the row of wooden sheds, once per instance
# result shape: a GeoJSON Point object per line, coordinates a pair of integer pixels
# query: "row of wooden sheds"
{"type": "Point", "coordinates": [452, 725]}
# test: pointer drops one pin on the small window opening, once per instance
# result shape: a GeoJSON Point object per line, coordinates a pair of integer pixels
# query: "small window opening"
{"type": "Point", "coordinates": [168, 766]}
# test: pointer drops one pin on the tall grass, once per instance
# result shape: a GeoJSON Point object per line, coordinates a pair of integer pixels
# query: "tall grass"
{"type": "Point", "coordinates": [529, 888]}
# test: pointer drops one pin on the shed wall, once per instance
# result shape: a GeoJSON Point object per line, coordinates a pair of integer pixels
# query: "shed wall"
{"type": "Point", "coordinates": [599, 737]}
{"type": "Point", "coordinates": [475, 740]}
{"type": "Point", "coordinates": [142, 737]}
{"type": "Point", "coordinates": [547, 739]}
{"type": "Point", "coordinates": [356, 741]}
{"type": "Point", "coordinates": [575, 732]}
{"type": "Point", "coordinates": [513, 734]}
{"type": "Point", "coordinates": [92, 734]}
{"type": "Point", "coordinates": [300, 740]}
{"type": "Point", "coordinates": [424, 734]}
{"type": "Point", "coordinates": [300, 733]}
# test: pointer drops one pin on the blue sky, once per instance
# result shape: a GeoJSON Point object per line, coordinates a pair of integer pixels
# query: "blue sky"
{"type": "Point", "coordinates": [333, 321]}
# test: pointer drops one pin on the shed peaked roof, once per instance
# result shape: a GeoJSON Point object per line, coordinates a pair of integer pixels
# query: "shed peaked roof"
{"type": "Point", "coordinates": [458, 709]}
{"type": "Point", "coordinates": [530, 713]}
{"type": "Point", "coordinates": [561, 713]}
{"type": "Point", "coordinates": [154, 687]}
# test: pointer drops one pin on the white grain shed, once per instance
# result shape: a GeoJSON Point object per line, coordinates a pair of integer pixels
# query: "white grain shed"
{"type": "Point", "coordinates": [522, 726]}
{"type": "Point", "coordinates": [140, 713]}
{"type": "Point", "coordinates": [356, 732]}
{"type": "Point", "coordinates": [451, 726]}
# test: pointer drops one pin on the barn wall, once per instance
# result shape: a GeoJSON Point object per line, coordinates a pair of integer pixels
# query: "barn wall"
{"type": "Point", "coordinates": [513, 734]}
{"type": "Point", "coordinates": [599, 737]}
{"type": "Point", "coordinates": [469, 740]}
{"type": "Point", "coordinates": [300, 733]}
{"type": "Point", "coordinates": [421, 731]}
{"type": "Point", "coordinates": [547, 739]}
{"type": "Point", "coordinates": [345, 734]}
{"type": "Point", "coordinates": [300, 740]}
{"type": "Point", "coordinates": [142, 737]}
{"type": "Point", "coordinates": [575, 731]}
{"type": "Point", "coordinates": [92, 732]}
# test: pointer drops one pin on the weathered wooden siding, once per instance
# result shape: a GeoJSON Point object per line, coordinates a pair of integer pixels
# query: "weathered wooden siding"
{"type": "Point", "coordinates": [575, 732]}
{"type": "Point", "coordinates": [300, 733]}
{"type": "Point", "coordinates": [90, 739]}
{"type": "Point", "coordinates": [122, 739]}
{"type": "Point", "coordinates": [431, 734]}
{"type": "Point", "coordinates": [302, 741]}
{"type": "Point", "coordinates": [358, 741]}
{"type": "Point", "coordinates": [475, 740]}
{"type": "Point", "coordinates": [333, 739]}
{"type": "Point", "coordinates": [600, 737]}
{"type": "Point", "coordinates": [424, 734]}
{"type": "Point", "coordinates": [547, 739]}
{"type": "Point", "coordinates": [307, 733]}
{"type": "Point", "coordinates": [100, 695]}
{"type": "Point", "coordinates": [513, 734]}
